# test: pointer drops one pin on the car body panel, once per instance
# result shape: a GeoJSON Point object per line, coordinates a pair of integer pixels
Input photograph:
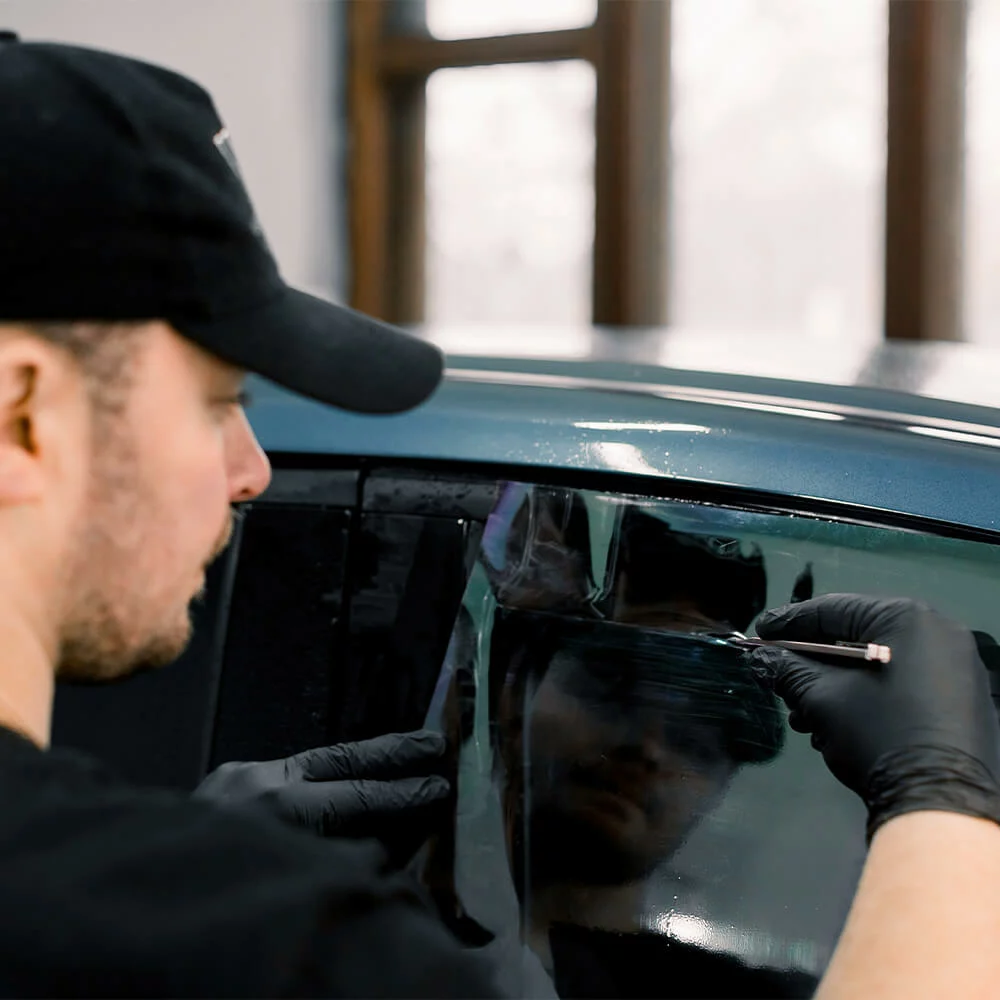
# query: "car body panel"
{"type": "Point", "coordinates": [865, 443]}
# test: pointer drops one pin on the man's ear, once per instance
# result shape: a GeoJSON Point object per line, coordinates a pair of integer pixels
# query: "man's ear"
{"type": "Point", "coordinates": [20, 465]}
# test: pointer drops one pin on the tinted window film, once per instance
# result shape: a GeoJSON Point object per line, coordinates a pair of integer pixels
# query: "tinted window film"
{"type": "Point", "coordinates": [406, 589]}
{"type": "Point", "coordinates": [285, 634]}
{"type": "Point", "coordinates": [340, 618]}
{"type": "Point", "coordinates": [415, 545]}
{"type": "Point", "coordinates": [634, 817]}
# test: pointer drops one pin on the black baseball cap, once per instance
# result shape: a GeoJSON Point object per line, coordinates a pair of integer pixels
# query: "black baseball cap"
{"type": "Point", "coordinates": [120, 199]}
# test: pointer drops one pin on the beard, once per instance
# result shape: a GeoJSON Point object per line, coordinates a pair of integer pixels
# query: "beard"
{"type": "Point", "coordinates": [96, 647]}
{"type": "Point", "coordinates": [111, 626]}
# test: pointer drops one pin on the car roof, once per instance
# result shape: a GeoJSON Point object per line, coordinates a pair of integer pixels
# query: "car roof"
{"type": "Point", "coordinates": [954, 372]}
{"type": "Point", "coordinates": [907, 427]}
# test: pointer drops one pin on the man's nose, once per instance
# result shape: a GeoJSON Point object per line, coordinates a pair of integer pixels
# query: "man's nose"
{"type": "Point", "coordinates": [249, 468]}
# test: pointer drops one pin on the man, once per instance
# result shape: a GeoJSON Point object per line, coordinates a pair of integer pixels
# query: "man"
{"type": "Point", "coordinates": [135, 289]}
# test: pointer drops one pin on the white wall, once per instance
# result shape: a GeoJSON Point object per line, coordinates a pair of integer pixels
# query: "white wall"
{"type": "Point", "coordinates": [273, 67]}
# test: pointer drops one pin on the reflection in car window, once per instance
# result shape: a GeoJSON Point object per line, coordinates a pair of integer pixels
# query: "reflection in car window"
{"type": "Point", "coordinates": [634, 818]}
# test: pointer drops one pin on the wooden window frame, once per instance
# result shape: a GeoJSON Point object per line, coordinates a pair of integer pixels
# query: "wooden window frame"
{"type": "Point", "coordinates": [925, 170]}
{"type": "Point", "coordinates": [628, 46]}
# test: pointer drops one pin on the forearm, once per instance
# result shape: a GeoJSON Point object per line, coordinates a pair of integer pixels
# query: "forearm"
{"type": "Point", "coordinates": [926, 918]}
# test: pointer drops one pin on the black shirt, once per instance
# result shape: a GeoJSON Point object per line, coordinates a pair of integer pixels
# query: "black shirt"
{"type": "Point", "coordinates": [598, 963]}
{"type": "Point", "coordinates": [106, 890]}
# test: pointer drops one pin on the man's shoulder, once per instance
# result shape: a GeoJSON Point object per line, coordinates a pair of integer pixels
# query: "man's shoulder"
{"type": "Point", "coordinates": [148, 891]}
{"type": "Point", "coordinates": [70, 810]}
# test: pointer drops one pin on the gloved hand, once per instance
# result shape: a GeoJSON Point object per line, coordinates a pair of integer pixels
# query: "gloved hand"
{"type": "Point", "coordinates": [349, 789]}
{"type": "Point", "coordinates": [918, 733]}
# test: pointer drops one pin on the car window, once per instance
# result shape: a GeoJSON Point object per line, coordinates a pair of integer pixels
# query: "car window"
{"type": "Point", "coordinates": [634, 817]}
{"type": "Point", "coordinates": [410, 574]}
{"type": "Point", "coordinates": [285, 635]}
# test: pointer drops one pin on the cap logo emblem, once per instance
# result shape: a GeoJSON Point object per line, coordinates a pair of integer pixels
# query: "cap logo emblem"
{"type": "Point", "coordinates": [222, 142]}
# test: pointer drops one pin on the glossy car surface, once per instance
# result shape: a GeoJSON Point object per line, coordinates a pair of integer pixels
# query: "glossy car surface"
{"type": "Point", "coordinates": [893, 427]}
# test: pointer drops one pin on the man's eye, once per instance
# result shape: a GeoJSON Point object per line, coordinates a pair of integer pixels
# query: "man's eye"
{"type": "Point", "coordinates": [241, 399]}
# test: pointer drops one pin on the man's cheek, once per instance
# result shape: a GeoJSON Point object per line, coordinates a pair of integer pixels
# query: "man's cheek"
{"type": "Point", "coordinates": [209, 506]}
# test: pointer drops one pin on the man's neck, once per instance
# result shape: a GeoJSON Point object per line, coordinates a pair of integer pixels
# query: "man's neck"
{"type": "Point", "coordinates": [27, 682]}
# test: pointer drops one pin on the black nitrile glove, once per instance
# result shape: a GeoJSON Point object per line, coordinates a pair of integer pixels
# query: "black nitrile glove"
{"type": "Point", "coordinates": [918, 733]}
{"type": "Point", "coordinates": [366, 789]}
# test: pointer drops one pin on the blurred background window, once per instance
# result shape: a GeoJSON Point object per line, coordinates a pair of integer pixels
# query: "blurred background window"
{"type": "Point", "coordinates": [510, 193]}
{"type": "Point", "coordinates": [778, 141]}
{"type": "Point", "coordinates": [757, 165]}
{"type": "Point", "coordinates": [754, 165]}
{"type": "Point", "coordinates": [982, 217]}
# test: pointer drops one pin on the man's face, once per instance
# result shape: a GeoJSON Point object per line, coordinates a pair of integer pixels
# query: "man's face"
{"type": "Point", "coordinates": [619, 770]}
{"type": "Point", "coordinates": [169, 455]}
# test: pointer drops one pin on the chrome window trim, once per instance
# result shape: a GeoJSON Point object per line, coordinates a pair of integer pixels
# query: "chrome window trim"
{"type": "Point", "coordinates": [954, 430]}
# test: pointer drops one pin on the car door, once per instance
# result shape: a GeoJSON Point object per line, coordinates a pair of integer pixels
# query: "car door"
{"type": "Point", "coordinates": [366, 598]}
{"type": "Point", "coordinates": [634, 817]}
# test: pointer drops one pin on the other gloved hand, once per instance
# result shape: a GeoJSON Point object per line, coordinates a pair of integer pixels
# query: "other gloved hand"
{"type": "Point", "coordinates": [918, 733]}
{"type": "Point", "coordinates": [349, 789]}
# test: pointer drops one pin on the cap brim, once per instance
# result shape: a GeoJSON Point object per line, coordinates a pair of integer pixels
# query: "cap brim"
{"type": "Point", "coordinates": [325, 351]}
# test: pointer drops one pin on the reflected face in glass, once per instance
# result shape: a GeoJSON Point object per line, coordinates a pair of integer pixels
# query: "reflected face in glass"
{"type": "Point", "coordinates": [620, 764]}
